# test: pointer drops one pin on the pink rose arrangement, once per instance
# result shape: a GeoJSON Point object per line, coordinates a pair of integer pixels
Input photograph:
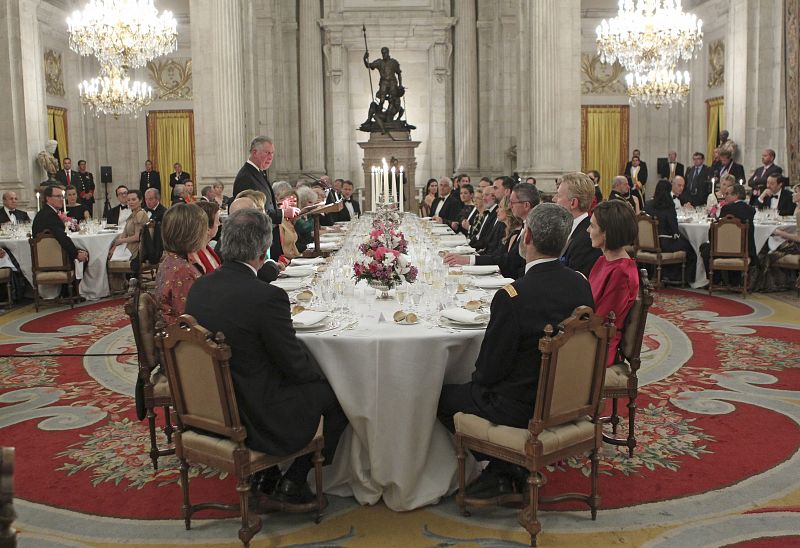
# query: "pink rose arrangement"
{"type": "Point", "coordinates": [384, 236]}
{"type": "Point", "coordinates": [388, 266]}
{"type": "Point", "coordinates": [69, 223]}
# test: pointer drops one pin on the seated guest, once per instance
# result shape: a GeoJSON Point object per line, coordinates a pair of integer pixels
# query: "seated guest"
{"type": "Point", "coordinates": [494, 242]}
{"type": "Point", "coordinates": [594, 175]}
{"type": "Point", "coordinates": [614, 277]}
{"type": "Point", "coordinates": [304, 226]}
{"type": "Point", "coordinates": [467, 194]}
{"type": "Point", "coordinates": [48, 219]}
{"type": "Point", "coordinates": [153, 205]}
{"type": "Point", "coordinates": [488, 220]}
{"type": "Point", "coordinates": [219, 195]}
{"type": "Point", "coordinates": [575, 193]}
{"type": "Point", "coordinates": [207, 194]}
{"type": "Point", "coordinates": [678, 184]}
{"type": "Point", "coordinates": [280, 389]}
{"type": "Point", "coordinates": [503, 386]}
{"type": "Point", "coordinates": [184, 231]}
{"type": "Point", "coordinates": [205, 259]}
{"type": "Point", "coordinates": [772, 277]}
{"type": "Point", "coordinates": [716, 200]}
{"type": "Point", "coordinates": [351, 208]}
{"type": "Point", "coordinates": [177, 194]}
{"type": "Point", "coordinates": [9, 212]}
{"type": "Point", "coordinates": [472, 224]}
{"type": "Point", "coordinates": [662, 207]}
{"type": "Point", "coordinates": [776, 197]}
{"type": "Point", "coordinates": [188, 192]}
{"type": "Point", "coordinates": [270, 269]}
{"type": "Point", "coordinates": [621, 190]}
{"type": "Point", "coordinates": [131, 233]}
{"type": "Point", "coordinates": [76, 209]}
{"type": "Point", "coordinates": [286, 196]}
{"type": "Point", "coordinates": [431, 194]}
{"type": "Point", "coordinates": [118, 214]}
{"type": "Point", "coordinates": [447, 206]}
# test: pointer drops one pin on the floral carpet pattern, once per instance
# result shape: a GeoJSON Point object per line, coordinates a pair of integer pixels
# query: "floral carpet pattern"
{"type": "Point", "coordinates": [717, 374]}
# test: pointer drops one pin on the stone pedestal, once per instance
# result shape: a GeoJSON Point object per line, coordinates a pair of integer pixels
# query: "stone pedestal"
{"type": "Point", "coordinates": [393, 146]}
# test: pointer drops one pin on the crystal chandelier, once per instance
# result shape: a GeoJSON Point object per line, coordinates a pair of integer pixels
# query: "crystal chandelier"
{"type": "Point", "coordinates": [112, 93]}
{"type": "Point", "coordinates": [658, 87]}
{"type": "Point", "coordinates": [122, 32]}
{"type": "Point", "coordinates": [649, 35]}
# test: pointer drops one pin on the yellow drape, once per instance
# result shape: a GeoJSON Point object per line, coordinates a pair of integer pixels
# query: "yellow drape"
{"type": "Point", "coordinates": [716, 123]}
{"type": "Point", "coordinates": [604, 141]}
{"type": "Point", "coordinates": [57, 129]}
{"type": "Point", "coordinates": [170, 140]}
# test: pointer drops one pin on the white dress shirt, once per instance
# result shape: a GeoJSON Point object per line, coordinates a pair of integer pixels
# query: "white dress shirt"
{"type": "Point", "coordinates": [11, 217]}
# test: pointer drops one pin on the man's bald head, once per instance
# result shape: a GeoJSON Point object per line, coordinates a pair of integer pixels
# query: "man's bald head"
{"type": "Point", "coordinates": [241, 203]}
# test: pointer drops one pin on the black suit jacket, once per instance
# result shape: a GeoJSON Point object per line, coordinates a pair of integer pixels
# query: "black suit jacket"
{"type": "Point", "coordinates": [267, 358]}
{"type": "Point", "coordinates": [450, 210]}
{"type": "Point", "coordinates": [509, 359]}
{"type": "Point", "coordinates": [74, 178]}
{"type": "Point", "coordinates": [113, 214]}
{"type": "Point", "coordinates": [250, 177]}
{"type": "Point", "coordinates": [175, 179]}
{"type": "Point", "coordinates": [735, 169]}
{"type": "Point", "coordinates": [22, 216]}
{"type": "Point", "coordinates": [758, 181]}
{"type": "Point", "coordinates": [481, 240]}
{"type": "Point", "coordinates": [745, 213]}
{"type": "Point", "coordinates": [642, 172]}
{"type": "Point", "coordinates": [344, 214]}
{"type": "Point", "coordinates": [785, 204]}
{"type": "Point", "coordinates": [149, 180]}
{"type": "Point", "coordinates": [156, 214]}
{"type": "Point", "coordinates": [679, 170]}
{"type": "Point", "coordinates": [697, 187]}
{"type": "Point", "coordinates": [579, 254]}
{"type": "Point", "coordinates": [47, 219]}
{"type": "Point", "coordinates": [511, 264]}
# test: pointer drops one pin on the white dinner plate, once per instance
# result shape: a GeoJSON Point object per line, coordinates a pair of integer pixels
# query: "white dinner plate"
{"type": "Point", "coordinates": [326, 325]}
{"type": "Point", "coordinates": [450, 324]}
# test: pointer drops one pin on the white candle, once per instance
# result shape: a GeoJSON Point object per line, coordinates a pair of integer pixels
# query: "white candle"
{"type": "Point", "coordinates": [374, 186]}
{"type": "Point", "coordinates": [385, 172]}
{"type": "Point", "coordinates": [393, 188]}
{"type": "Point", "coordinates": [38, 203]}
{"type": "Point", "coordinates": [402, 192]}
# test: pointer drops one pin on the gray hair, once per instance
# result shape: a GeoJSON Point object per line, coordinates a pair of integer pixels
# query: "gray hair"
{"type": "Point", "coordinates": [153, 191]}
{"type": "Point", "coordinates": [281, 189]}
{"type": "Point", "coordinates": [619, 179]}
{"type": "Point", "coordinates": [549, 225]}
{"type": "Point", "coordinates": [305, 196]}
{"type": "Point", "coordinates": [258, 141]}
{"type": "Point", "coordinates": [178, 190]}
{"type": "Point", "coordinates": [526, 192]}
{"type": "Point", "coordinates": [446, 180]}
{"type": "Point", "coordinates": [206, 191]}
{"type": "Point", "coordinates": [248, 234]}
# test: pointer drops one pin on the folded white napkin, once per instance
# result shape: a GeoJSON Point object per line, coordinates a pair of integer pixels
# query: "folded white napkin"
{"type": "Point", "coordinates": [290, 284]}
{"type": "Point", "coordinates": [121, 253]}
{"type": "Point", "coordinates": [491, 283]}
{"type": "Point", "coordinates": [326, 246]}
{"type": "Point", "coordinates": [307, 318]}
{"type": "Point", "coordinates": [480, 269]}
{"type": "Point", "coordinates": [460, 250]}
{"type": "Point", "coordinates": [330, 237]}
{"type": "Point", "coordinates": [462, 315]}
{"type": "Point", "coordinates": [441, 229]}
{"type": "Point", "coordinates": [299, 271]}
{"type": "Point", "coordinates": [302, 261]}
{"type": "Point", "coordinates": [457, 239]}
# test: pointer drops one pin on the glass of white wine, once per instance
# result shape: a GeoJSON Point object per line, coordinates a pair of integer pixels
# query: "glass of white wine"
{"type": "Point", "coordinates": [400, 293]}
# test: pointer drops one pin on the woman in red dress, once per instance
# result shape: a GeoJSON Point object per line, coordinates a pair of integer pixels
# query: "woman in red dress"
{"type": "Point", "coordinates": [205, 258]}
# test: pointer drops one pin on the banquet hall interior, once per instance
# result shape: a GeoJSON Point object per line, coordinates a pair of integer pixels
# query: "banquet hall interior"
{"type": "Point", "coordinates": [468, 89]}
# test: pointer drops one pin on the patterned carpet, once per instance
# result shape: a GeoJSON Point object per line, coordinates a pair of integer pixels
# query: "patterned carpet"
{"type": "Point", "coordinates": [717, 463]}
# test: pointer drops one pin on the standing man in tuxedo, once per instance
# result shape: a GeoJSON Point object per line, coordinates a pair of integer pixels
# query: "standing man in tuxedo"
{"type": "Point", "coordinates": [447, 206]}
{"type": "Point", "coordinates": [698, 179]}
{"type": "Point", "coordinates": [575, 194]}
{"type": "Point", "coordinates": [86, 187]}
{"type": "Point", "coordinates": [728, 166]}
{"type": "Point", "coordinates": [776, 196]}
{"type": "Point", "coordinates": [118, 214]}
{"type": "Point", "coordinates": [351, 209]}
{"type": "Point", "coordinates": [672, 168]}
{"type": "Point", "coordinates": [758, 182]}
{"type": "Point", "coordinates": [149, 178]}
{"type": "Point", "coordinates": [10, 213]}
{"type": "Point", "coordinates": [48, 219]}
{"type": "Point", "coordinates": [153, 205]}
{"type": "Point", "coordinates": [252, 176]}
{"type": "Point", "coordinates": [636, 170]}
{"type": "Point", "coordinates": [67, 176]}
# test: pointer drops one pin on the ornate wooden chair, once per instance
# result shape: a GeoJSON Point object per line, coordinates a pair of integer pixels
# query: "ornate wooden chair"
{"type": "Point", "coordinates": [621, 378]}
{"type": "Point", "coordinates": [8, 536]}
{"type": "Point", "coordinates": [728, 250]}
{"type": "Point", "coordinates": [565, 422]}
{"type": "Point", "coordinates": [647, 249]}
{"type": "Point", "coordinates": [142, 310]}
{"type": "Point", "coordinates": [792, 262]}
{"type": "Point", "coordinates": [209, 429]}
{"type": "Point", "coordinates": [5, 278]}
{"type": "Point", "coordinates": [150, 250]}
{"type": "Point", "coordinates": [51, 266]}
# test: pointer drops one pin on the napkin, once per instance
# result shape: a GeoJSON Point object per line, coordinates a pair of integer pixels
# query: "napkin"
{"type": "Point", "coordinates": [302, 261]}
{"type": "Point", "coordinates": [491, 283]}
{"type": "Point", "coordinates": [299, 271]}
{"type": "Point", "coordinates": [479, 269]}
{"type": "Point", "coordinates": [462, 315]}
{"type": "Point", "coordinates": [121, 253]}
{"type": "Point", "coordinates": [441, 229]}
{"type": "Point", "coordinates": [307, 318]}
{"type": "Point", "coordinates": [461, 250]}
{"type": "Point", "coordinates": [290, 284]}
{"type": "Point", "coordinates": [330, 237]}
{"type": "Point", "coordinates": [325, 246]}
{"type": "Point", "coordinates": [457, 239]}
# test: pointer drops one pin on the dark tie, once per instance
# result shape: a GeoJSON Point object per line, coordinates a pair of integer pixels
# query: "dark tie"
{"type": "Point", "coordinates": [12, 211]}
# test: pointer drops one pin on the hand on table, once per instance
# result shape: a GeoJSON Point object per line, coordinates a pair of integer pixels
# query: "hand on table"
{"type": "Point", "coordinates": [436, 219]}
{"type": "Point", "coordinates": [455, 259]}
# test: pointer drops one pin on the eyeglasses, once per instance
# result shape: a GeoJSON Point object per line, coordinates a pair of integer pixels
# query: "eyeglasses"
{"type": "Point", "coordinates": [58, 196]}
{"type": "Point", "coordinates": [511, 202]}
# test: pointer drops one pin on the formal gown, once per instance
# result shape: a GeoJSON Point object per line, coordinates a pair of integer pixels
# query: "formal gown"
{"type": "Point", "coordinates": [615, 285]}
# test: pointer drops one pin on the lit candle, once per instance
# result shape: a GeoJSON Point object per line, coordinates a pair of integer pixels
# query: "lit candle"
{"type": "Point", "coordinates": [393, 188]}
{"type": "Point", "coordinates": [385, 171]}
{"type": "Point", "coordinates": [374, 186]}
{"type": "Point", "coordinates": [38, 203]}
{"type": "Point", "coordinates": [402, 192]}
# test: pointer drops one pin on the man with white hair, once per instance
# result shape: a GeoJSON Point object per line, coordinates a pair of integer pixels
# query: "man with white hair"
{"type": "Point", "coordinates": [448, 205]}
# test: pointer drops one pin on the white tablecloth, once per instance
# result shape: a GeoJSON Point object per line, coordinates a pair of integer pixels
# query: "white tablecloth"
{"type": "Point", "coordinates": [697, 234]}
{"type": "Point", "coordinates": [388, 378]}
{"type": "Point", "coordinates": [94, 283]}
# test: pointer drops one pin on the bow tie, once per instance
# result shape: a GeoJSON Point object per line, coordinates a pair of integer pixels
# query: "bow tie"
{"type": "Point", "coordinates": [674, 197]}
{"type": "Point", "coordinates": [123, 207]}
{"type": "Point", "coordinates": [12, 211]}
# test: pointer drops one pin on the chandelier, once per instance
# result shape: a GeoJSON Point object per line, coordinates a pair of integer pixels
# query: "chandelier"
{"type": "Point", "coordinates": [122, 32]}
{"type": "Point", "coordinates": [649, 35]}
{"type": "Point", "coordinates": [658, 87]}
{"type": "Point", "coordinates": [112, 93]}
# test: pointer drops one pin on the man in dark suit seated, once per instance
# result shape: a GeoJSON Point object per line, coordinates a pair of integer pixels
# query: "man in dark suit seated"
{"type": "Point", "coordinates": [351, 209]}
{"type": "Point", "coordinates": [153, 205]}
{"type": "Point", "coordinates": [48, 219]}
{"type": "Point", "coordinates": [777, 196]}
{"type": "Point", "coordinates": [446, 208]}
{"type": "Point", "coordinates": [503, 387]}
{"type": "Point", "coordinates": [489, 219]}
{"type": "Point", "coordinates": [120, 212]}
{"type": "Point", "coordinates": [621, 190]}
{"type": "Point", "coordinates": [575, 193]}
{"type": "Point", "coordinates": [280, 389]}
{"type": "Point", "coordinates": [737, 206]}
{"type": "Point", "coordinates": [149, 178]}
{"type": "Point", "coordinates": [9, 213]}
{"type": "Point", "coordinates": [698, 185]}
{"type": "Point", "coordinates": [268, 271]}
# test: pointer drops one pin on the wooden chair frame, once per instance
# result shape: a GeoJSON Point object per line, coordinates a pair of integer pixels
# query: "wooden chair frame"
{"type": "Point", "coordinates": [634, 333]}
{"type": "Point", "coordinates": [9, 297]}
{"type": "Point", "coordinates": [8, 535]}
{"type": "Point", "coordinates": [533, 458]}
{"type": "Point", "coordinates": [146, 267]}
{"type": "Point", "coordinates": [743, 252]}
{"type": "Point", "coordinates": [139, 304]}
{"type": "Point", "coordinates": [66, 266]}
{"type": "Point", "coordinates": [245, 461]}
{"type": "Point", "coordinates": [644, 218]}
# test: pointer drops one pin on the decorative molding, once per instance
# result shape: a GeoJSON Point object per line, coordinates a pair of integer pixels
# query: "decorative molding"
{"type": "Point", "coordinates": [598, 78]}
{"type": "Point", "coordinates": [53, 73]}
{"type": "Point", "coordinates": [172, 78]}
{"type": "Point", "coordinates": [716, 63]}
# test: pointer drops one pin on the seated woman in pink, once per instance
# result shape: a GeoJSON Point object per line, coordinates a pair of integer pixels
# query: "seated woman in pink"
{"type": "Point", "coordinates": [614, 277]}
{"type": "Point", "coordinates": [184, 230]}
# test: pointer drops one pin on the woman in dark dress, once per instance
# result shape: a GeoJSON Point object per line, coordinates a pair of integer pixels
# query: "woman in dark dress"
{"type": "Point", "coordinates": [76, 209]}
{"type": "Point", "coordinates": [662, 207]}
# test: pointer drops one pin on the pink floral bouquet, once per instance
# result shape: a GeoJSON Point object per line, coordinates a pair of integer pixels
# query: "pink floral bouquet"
{"type": "Point", "coordinates": [384, 236]}
{"type": "Point", "coordinates": [69, 223]}
{"type": "Point", "coordinates": [385, 266]}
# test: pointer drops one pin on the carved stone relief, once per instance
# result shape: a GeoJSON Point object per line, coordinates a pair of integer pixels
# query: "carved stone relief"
{"type": "Point", "coordinates": [598, 78]}
{"type": "Point", "coordinates": [53, 73]}
{"type": "Point", "coordinates": [716, 63]}
{"type": "Point", "coordinates": [172, 78]}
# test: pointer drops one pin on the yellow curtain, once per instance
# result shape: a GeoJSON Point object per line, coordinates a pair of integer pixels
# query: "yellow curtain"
{"type": "Point", "coordinates": [716, 123]}
{"type": "Point", "coordinates": [170, 140]}
{"type": "Point", "coordinates": [57, 129]}
{"type": "Point", "coordinates": [604, 141]}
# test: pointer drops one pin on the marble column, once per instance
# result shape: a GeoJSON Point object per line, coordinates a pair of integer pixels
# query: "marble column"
{"type": "Point", "coordinates": [312, 106]}
{"type": "Point", "coordinates": [465, 88]}
{"type": "Point", "coordinates": [220, 134]}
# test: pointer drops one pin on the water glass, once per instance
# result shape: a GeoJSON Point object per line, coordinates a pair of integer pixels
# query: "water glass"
{"type": "Point", "coordinates": [400, 293]}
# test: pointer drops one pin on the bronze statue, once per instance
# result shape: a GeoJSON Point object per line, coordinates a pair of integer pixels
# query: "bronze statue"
{"type": "Point", "coordinates": [386, 110]}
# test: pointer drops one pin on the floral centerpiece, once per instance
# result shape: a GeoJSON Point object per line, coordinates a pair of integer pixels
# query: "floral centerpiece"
{"type": "Point", "coordinates": [384, 236]}
{"type": "Point", "coordinates": [69, 223]}
{"type": "Point", "coordinates": [383, 268]}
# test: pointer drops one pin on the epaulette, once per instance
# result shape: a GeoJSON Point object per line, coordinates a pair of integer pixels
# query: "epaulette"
{"type": "Point", "coordinates": [512, 292]}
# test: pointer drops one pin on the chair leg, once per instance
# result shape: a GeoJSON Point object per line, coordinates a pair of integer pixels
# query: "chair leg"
{"type": "Point", "coordinates": [318, 460]}
{"type": "Point", "coordinates": [614, 416]}
{"type": "Point", "coordinates": [35, 295]}
{"type": "Point", "coordinates": [744, 282]}
{"type": "Point", "coordinates": [594, 499]}
{"type": "Point", "coordinates": [528, 516]}
{"type": "Point", "coordinates": [187, 509]}
{"type": "Point", "coordinates": [658, 275]}
{"type": "Point", "coordinates": [683, 274]}
{"type": "Point", "coordinates": [631, 422]}
{"type": "Point", "coordinates": [168, 429]}
{"type": "Point", "coordinates": [71, 295]}
{"type": "Point", "coordinates": [462, 479]}
{"type": "Point", "coordinates": [247, 530]}
{"type": "Point", "coordinates": [151, 421]}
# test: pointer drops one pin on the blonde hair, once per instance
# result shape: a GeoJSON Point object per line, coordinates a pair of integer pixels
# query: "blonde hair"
{"type": "Point", "coordinates": [579, 186]}
{"type": "Point", "coordinates": [184, 228]}
{"type": "Point", "coordinates": [258, 197]}
{"type": "Point", "coordinates": [512, 223]}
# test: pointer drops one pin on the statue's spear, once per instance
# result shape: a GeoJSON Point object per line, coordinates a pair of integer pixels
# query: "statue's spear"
{"type": "Point", "coordinates": [369, 72]}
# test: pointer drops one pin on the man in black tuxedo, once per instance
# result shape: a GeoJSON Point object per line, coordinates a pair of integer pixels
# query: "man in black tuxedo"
{"type": "Point", "coordinates": [594, 175]}
{"type": "Point", "coordinates": [149, 178]}
{"type": "Point", "coordinates": [351, 209]}
{"type": "Point", "coordinates": [758, 182]}
{"type": "Point", "coordinates": [334, 192]}
{"type": "Point", "coordinates": [737, 206]}
{"type": "Point", "coordinates": [636, 169]}
{"type": "Point", "coordinates": [66, 176]}
{"type": "Point", "coordinates": [575, 193]}
{"type": "Point", "coordinates": [153, 205]}
{"type": "Point", "coordinates": [280, 389]}
{"type": "Point", "coordinates": [479, 241]}
{"type": "Point", "coordinates": [178, 177]}
{"type": "Point", "coordinates": [621, 190]}
{"type": "Point", "coordinates": [86, 188]}
{"type": "Point", "coordinates": [120, 212]}
{"type": "Point", "coordinates": [447, 206]}
{"type": "Point", "coordinates": [252, 176]}
{"type": "Point", "coordinates": [728, 166]}
{"type": "Point", "coordinates": [776, 196]}
{"type": "Point", "coordinates": [504, 384]}
{"type": "Point", "coordinates": [698, 179]}
{"type": "Point", "coordinates": [47, 219]}
{"type": "Point", "coordinates": [9, 213]}
{"type": "Point", "coordinates": [671, 168]}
